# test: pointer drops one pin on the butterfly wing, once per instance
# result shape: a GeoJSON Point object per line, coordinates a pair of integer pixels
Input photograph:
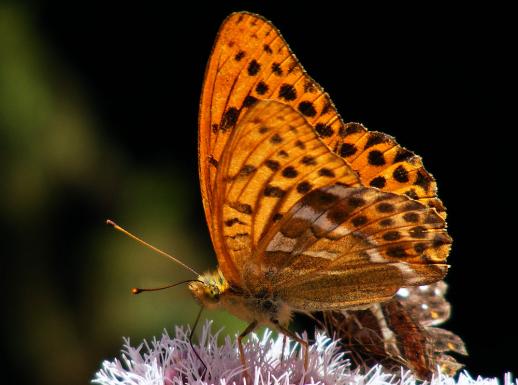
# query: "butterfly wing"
{"type": "Point", "coordinates": [341, 247]}
{"type": "Point", "coordinates": [251, 61]}
{"type": "Point", "coordinates": [272, 158]}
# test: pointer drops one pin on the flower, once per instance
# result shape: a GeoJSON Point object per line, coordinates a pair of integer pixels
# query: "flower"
{"type": "Point", "coordinates": [172, 361]}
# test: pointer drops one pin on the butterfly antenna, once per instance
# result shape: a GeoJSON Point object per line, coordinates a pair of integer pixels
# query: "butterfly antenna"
{"type": "Point", "coordinates": [118, 228]}
{"type": "Point", "coordinates": [138, 290]}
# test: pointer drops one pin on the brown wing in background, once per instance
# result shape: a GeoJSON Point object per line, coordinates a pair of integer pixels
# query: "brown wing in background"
{"type": "Point", "coordinates": [401, 332]}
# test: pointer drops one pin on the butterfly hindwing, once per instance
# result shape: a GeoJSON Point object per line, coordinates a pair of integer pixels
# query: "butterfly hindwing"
{"type": "Point", "coordinates": [401, 332]}
{"type": "Point", "coordinates": [343, 246]}
{"type": "Point", "coordinates": [273, 159]}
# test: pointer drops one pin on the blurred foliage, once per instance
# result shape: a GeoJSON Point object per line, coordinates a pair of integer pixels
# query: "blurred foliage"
{"type": "Point", "coordinates": [68, 274]}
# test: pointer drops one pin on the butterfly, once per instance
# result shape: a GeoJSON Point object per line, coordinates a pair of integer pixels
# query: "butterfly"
{"type": "Point", "coordinates": [306, 212]}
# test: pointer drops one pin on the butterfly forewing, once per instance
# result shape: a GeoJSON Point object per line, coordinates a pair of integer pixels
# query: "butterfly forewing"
{"type": "Point", "coordinates": [251, 61]}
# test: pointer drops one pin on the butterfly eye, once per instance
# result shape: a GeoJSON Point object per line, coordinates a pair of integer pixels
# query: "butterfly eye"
{"type": "Point", "coordinates": [214, 293]}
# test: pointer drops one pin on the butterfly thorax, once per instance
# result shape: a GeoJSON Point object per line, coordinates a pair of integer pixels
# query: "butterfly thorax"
{"type": "Point", "coordinates": [213, 291]}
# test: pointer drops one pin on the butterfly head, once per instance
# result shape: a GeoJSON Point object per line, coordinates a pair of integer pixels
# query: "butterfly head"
{"type": "Point", "coordinates": [209, 287]}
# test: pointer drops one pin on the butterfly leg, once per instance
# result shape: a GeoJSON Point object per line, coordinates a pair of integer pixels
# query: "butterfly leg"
{"type": "Point", "coordinates": [293, 336]}
{"type": "Point", "coordinates": [249, 329]}
{"type": "Point", "coordinates": [284, 338]}
{"type": "Point", "coordinates": [192, 346]}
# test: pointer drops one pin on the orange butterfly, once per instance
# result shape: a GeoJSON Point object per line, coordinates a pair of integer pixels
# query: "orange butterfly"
{"type": "Point", "coordinates": [306, 213]}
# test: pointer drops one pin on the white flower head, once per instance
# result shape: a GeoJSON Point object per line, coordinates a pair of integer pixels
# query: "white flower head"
{"type": "Point", "coordinates": [171, 361]}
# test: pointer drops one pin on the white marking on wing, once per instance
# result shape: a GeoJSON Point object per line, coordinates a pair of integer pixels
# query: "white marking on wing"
{"type": "Point", "coordinates": [338, 190]}
{"type": "Point", "coordinates": [307, 212]}
{"type": "Point", "coordinates": [281, 243]}
{"type": "Point", "coordinates": [340, 232]}
{"type": "Point", "coordinates": [409, 274]}
{"type": "Point", "coordinates": [321, 254]}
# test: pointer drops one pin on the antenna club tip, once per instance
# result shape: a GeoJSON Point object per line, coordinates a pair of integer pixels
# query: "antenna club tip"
{"type": "Point", "coordinates": [136, 291]}
{"type": "Point", "coordinates": [110, 222]}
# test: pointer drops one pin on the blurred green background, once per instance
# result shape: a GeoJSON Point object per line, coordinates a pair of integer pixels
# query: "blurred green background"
{"type": "Point", "coordinates": [98, 119]}
{"type": "Point", "coordinates": [64, 171]}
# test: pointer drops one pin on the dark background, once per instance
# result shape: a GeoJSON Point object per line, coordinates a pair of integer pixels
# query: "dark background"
{"type": "Point", "coordinates": [98, 118]}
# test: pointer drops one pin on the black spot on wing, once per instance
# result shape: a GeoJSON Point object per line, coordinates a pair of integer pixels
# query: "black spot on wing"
{"type": "Point", "coordinates": [276, 139]}
{"type": "Point", "coordinates": [307, 108]}
{"type": "Point", "coordinates": [411, 217]}
{"type": "Point", "coordinates": [418, 232]}
{"type": "Point", "coordinates": [239, 55]}
{"type": "Point", "coordinates": [392, 235]}
{"type": "Point", "coordinates": [420, 247]}
{"type": "Point", "coordinates": [303, 187]}
{"type": "Point", "coordinates": [231, 222]}
{"type": "Point", "coordinates": [375, 138]}
{"type": "Point", "coordinates": [326, 172]}
{"type": "Point", "coordinates": [411, 194]}
{"type": "Point", "coordinates": [272, 164]}
{"type": "Point", "coordinates": [277, 217]}
{"type": "Point", "coordinates": [290, 172]}
{"type": "Point", "coordinates": [396, 252]}
{"type": "Point", "coordinates": [253, 67]}
{"type": "Point", "coordinates": [400, 174]}
{"type": "Point", "coordinates": [324, 130]}
{"type": "Point", "coordinates": [376, 158]}
{"type": "Point", "coordinates": [386, 222]}
{"type": "Point", "coordinates": [276, 69]}
{"type": "Point", "coordinates": [403, 155]}
{"type": "Point", "coordinates": [287, 92]}
{"type": "Point", "coordinates": [356, 201]}
{"type": "Point", "coordinates": [385, 207]}
{"type": "Point", "coordinates": [246, 170]}
{"type": "Point", "coordinates": [423, 179]}
{"type": "Point", "coordinates": [273, 191]}
{"type": "Point", "coordinates": [241, 207]}
{"type": "Point", "coordinates": [359, 220]}
{"type": "Point", "coordinates": [261, 88]}
{"type": "Point", "coordinates": [349, 129]}
{"type": "Point", "coordinates": [378, 182]}
{"type": "Point", "coordinates": [229, 119]}
{"type": "Point", "coordinates": [347, 149]}
{"type": "Point", "coordinates": [308, 160]}
{"type": "Point", "coordinates": [249, 101]}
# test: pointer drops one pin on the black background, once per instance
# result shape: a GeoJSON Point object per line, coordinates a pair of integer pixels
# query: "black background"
{"type": "Point", "coordinates": [433, 77]}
